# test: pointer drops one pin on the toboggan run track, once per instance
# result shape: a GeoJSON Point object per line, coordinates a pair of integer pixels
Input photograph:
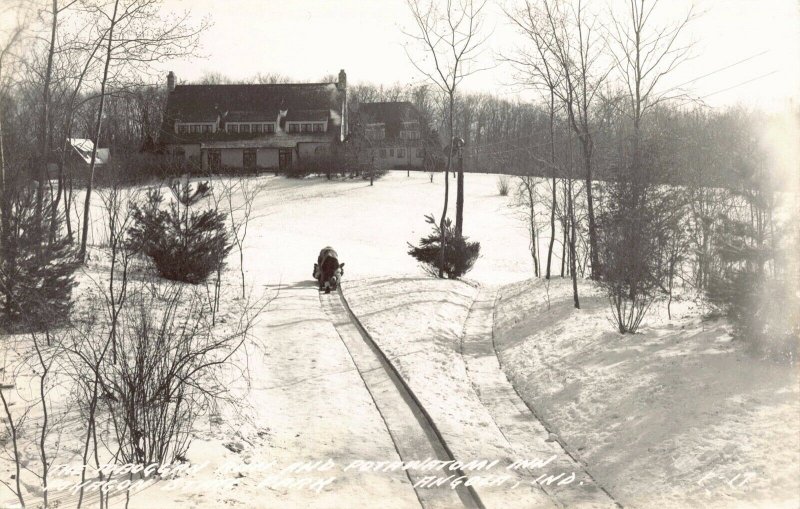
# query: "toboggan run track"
{"type": "Point", "coordinates": [412, 430]}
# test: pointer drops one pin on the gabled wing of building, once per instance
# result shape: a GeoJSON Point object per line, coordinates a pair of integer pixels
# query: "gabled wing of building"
{"type": "Point", "coordinates": [394, 134]}
{"type": "Point", "coordinates": [254, 125]}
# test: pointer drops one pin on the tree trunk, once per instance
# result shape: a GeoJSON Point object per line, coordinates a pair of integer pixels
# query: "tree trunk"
{"type": "Point", "coordinates": [553, 201]}
{"type": "Point", "coordinates": [44, 131]}
{"type": "Point", "coordinates": [460, 195]}
{"type": "Point", "coordinates": [572, 256]}
{"type": "Point", "coordinates": [586, 145]}
{"type": "Point", "coordinates": [442, 238]}
{"type": "Point", "coordinates": [98, 125]}
{"type": "Point", "coordinates": [5, 223]}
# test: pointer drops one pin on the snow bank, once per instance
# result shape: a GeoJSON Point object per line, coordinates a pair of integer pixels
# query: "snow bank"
{"type": "Point", "coordinates": [676, 416]}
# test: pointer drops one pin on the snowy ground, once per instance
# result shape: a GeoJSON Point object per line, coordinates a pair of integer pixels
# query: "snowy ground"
{"type": "Point", "coordinates": [630, 407]}
{"type": "Point", "coordinates": [678, 415]}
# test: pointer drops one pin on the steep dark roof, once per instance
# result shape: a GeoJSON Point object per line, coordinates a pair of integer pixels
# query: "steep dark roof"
{"type": "Point", "coordinates": [400, 111]}
{"type": "Point", "coordinates": [243, 103]}
{"type": "Point", "coordinates": [391, 114]}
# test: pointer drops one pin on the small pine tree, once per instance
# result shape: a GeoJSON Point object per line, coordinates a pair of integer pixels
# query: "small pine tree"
{"type": "Point", "coordinates": [185, 245]}
{"type": "Point", "coordinates": [738, 288]}
{"type": "Point", "coordinates": [459, 257]}
{"type": "Point", "coordinates": [36, 276]}
{"type": "Point", "coordinates": [755, 280]}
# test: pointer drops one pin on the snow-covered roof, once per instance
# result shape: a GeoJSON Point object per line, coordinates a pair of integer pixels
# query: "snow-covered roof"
{"type": "Point", "coordinates": [83, 148]}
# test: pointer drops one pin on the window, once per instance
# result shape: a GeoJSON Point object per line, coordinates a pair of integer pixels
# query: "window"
{"type": "Point", "coordinates": [294, 128]}
{"type": "Point", "coordinates": [375, 131]}
{"type": "Point", "coordinates": [257, 128]}
{"type": "Point", "coordinates": [194, 128]}
{"type": "Point", "coordinates": [318, 128]}
{"type": "Point", "coordinates": [307, 128]}
{"type": "Point", "coordinates": [244, 128]}
{"type": "Point", "coordinates": [249, 158]}
{"type": "Point", "coordinates": [391, 152]}
{"type": "Point", "coordinates": [269, 128]}
{"type": "Point", "coordinates": [410, 125]}
{"type": "Point", "coordinates": [233, 128]}
{"type": "Point", "coordinates": [401, 153]}
{"type": "Point", "coordinates": [409, 135]}
{"type": "Point", "coordinates": [383, 153]}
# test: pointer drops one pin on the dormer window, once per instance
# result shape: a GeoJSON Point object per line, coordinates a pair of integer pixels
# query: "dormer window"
{"type": "Point", "coordinates": [306, 127]}
{"type": "Point", "coordinates": [187, 128]}
{"type": "Point", "coordinates": [250, 127]}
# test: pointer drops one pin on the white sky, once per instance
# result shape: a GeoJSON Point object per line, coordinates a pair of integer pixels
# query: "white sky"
{"type": "Point", "coordinates": [307, 39]}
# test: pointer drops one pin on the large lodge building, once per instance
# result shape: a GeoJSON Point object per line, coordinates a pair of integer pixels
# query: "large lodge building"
{"type": "Point", "coordinates": [257, 127]}
{"type": "Point", "coordinates": [253, 126]}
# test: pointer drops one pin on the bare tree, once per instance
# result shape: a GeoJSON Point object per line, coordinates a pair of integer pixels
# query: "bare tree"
{"type": "Point", "coordinates": [574, 45]}
{"type": "Point", "coordinates": [539, 68]}
{"type": "Point", "coordinates": [8, 63]}
{"type": "Point", "coordinates": [236, 198]}
{"type": "Point", "coordinates": [270, 78]}
{"type": "Point", "coordinates": [639, 225]}
{"type": "Point", "coordinates": [450, 38]}
{"type": "Point", "coordinates": [644, 54]}
{"type": "Point", "coordinates": [135, 36]}
{"type": "Point", "coordinates": [13, 433]}
{"type": "Point", "coordinates": [526, 199]}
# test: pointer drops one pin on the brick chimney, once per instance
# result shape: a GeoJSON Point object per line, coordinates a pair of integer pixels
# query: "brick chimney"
{"type": "Point", "coordinates": [170, 81]}
{"type": "Point", "coordinates": [341, 86]}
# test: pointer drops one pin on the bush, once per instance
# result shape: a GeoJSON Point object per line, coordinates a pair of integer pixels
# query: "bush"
{"type": "Point", "coordinates": [170, 369]}
{"type": "Point", "coordinates": [633, 234]}
{"type": "Point", "coordinates": [141, 168]}
{"type": "Point", "coordinates": [459, 256]}
{"type": "Point", "coordinates": [185, 245]}
{"type": "Point", "coordinates": [326, 163]}
{"type": "Point", "coordinates": [503, 184]}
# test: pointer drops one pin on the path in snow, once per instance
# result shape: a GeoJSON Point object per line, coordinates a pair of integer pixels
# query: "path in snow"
{"type": "Point", "coordinates": [309, 404]}
{"type": "Point", "coordinates": [414, 436]}
{"type": "Point", "coordinates": [418, 323]}
{"type": "Point", "coordinates": [518, 423]}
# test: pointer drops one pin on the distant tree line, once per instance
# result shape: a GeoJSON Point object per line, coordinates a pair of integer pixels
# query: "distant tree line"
{"type": "Point", "coordinates": [639, 185]}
